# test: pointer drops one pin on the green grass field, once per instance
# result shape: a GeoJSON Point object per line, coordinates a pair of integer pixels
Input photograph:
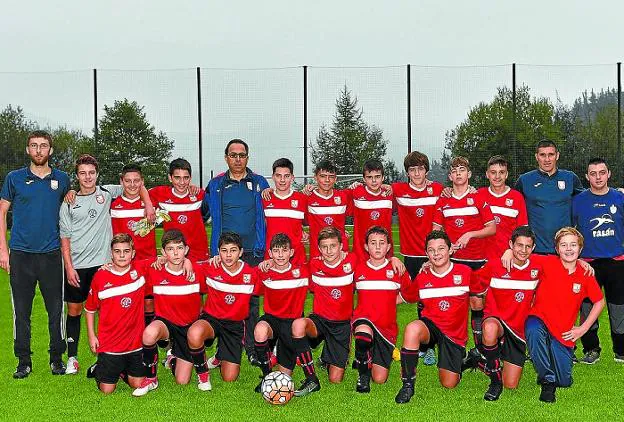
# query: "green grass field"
{"type": "Point", "coordinates": [597, 393]}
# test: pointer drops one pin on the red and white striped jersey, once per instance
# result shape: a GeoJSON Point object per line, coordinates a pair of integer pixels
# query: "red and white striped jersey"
{"type": "Point", "coordinates": [416, 209]}
{"type": "Point", "coordinates": [286, 215]}
{"type": "Point", "coordinates": [284, 291]}
{"type": "Point", "coordinates": [176, 299]}
{"type": "Point", "coordinates": [326, 211]}
{"type": "Point", "coordinates": [446, 299]}
{"type": "Point", "coordinates": [377, 289]}
{"type": "Point", "coordinates": [509, 210]}
{"type": "Point", "coordinates": [124, 214]}
{"type": "Point", "coordinates": [459, 215]}
{"type": "Point", "coordinates": [369, 209]}
{"type": "Point", "coordinates": [228, 294]}
{"type": "Point", "coordinates": [118, 297]}
{"type": "Point", "coordinates": [333, 288]}
{"type": "Point", "coordinates": [186, 216]}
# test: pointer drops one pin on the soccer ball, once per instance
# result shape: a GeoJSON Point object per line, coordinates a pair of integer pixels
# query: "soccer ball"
{"type": "Point", "coordinates": [277, 388]}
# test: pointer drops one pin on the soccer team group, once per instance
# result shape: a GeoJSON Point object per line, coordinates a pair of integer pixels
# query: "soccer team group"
{"type": "Point", "coordinates": [468, 255]}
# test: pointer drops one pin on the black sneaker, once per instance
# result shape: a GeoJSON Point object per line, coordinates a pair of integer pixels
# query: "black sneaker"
{"type": "Point", "coordinates": [591, 357]}
{"type": "Point", "coordinates": [253, 360]}
{"type": "Point", "coordinates": [58, 367]}
{"type": "Point", "coordinates": [363, 384]}
{"type": "Point", "coordinates": [405, 393]}
{"type": "Point", "coordinates": [548, 393]}
{"type": "Point", "coordinates": [309, 385]}
{"type": "Point", "coordinates": [494, 391]}
{"type": "Point", "coordinates": [258, 388]}
{"type": "Point", "coordinates": [321, 364]}
{"type": "Point", "coordinates": [22, 371]}
{"type": "Point", "coordinates": [472, 360]}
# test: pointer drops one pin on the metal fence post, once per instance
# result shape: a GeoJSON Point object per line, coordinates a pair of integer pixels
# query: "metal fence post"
{"type": "Point", "coordinates": [514, 144]}
{"type": "Point", "coordinates": [199, 128]}
{"type": "Point", "coordinates": [619, 116]}
{"type": "Point", "coordinates": [409, 109]}
{"type": "Point", "coordinates": [305, 123]}
{"type": "Point", "coordinates": [96, 131]}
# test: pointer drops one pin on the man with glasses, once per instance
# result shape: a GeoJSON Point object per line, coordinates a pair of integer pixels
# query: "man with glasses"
{"type": "Point", "coordinates": [233, 201]}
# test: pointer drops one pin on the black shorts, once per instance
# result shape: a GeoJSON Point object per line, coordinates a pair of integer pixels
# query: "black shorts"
{"type": "Point", "coordinates": [230, 335]}
{"type": "Point", "coordinates": [109, 366]}
{"type": "Point", "coordinates": [413, 264]}
{"type": "Point", "coordinates": [450, 354]}
{"type": "Point", "coordinates": [381, 350]}
{"type": "Point", "coordinates": [513, 350]}
{"type": "Point", "coordinates": [79, 294]}
{"type": "Point", "coordinates": [282, 335]}
{"type": "Point", "coordinates": [337, 337]}
{"type": "Point", "coordinates": [177, 336]}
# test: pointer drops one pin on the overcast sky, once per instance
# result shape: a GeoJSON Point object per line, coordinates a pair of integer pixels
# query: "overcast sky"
{"type": "Point", "coordinates": [266, 105]}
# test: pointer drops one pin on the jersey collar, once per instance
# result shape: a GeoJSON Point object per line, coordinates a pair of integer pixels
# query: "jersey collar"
{"type": "Point", "coordinates": [132, 201]}
{"type": "Point", "coordinates": [235, 273]}
{"type": "Point", "coordinates": [496, 195]}
{"type": "Point", "coordinates": [523, 267]}
{"type": "Point", "coordinates": [285, 270]}
{"type": "Point", "coordinates": [288, 195]}
{"type": "Point", "coordinates": [173, 272]}
{"type": "Point", "coordinates": [323, 196]}
{"type": "Point", "coordinates": [445, 273]}
{"type": "Point", "coordinates": [178, 195]}
{"type": "Point", "coordinates": [379, 267]}
{"type": "Point", "coordinates": [461, 197]}
{"type": "Point", "coordinates": [120, 272]}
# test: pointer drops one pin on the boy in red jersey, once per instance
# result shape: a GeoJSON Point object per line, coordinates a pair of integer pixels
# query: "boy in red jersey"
{"type": "Point", "coordinates": [177, 303]}
{"type": "Point", "coordinates": [284, 287]}
{"type": "Point", "coordinates": [285, 210]}
{"type": "Point", "coordinates": [374, 319]}
{"type": "Point", "coordinates": [444, 291]}
{"type": "Point", "coordinates": [332, 284]}
{"type": "Point", "coordinates": [372, 206]}
{"type": "Point", "coordinates": [117, 295]}
{"type": "Point", "coordinates": [507, 206]}
{"type": "Point", "coordinates": [229, 288]}
{"type": "Point", "coordinates": [507, 304]}
{"type": "Point", "coordinates": [468, 221]}
{"type": "Point", "coordinates": [184, 208]}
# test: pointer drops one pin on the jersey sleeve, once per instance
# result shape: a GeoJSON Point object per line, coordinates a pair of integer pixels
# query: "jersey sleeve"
{"type": "Point", "coordinates": [523, 218]}
{"type": "Point", "coordinates": [149, 277]}
{"type": "Point", "coordinates": [438, 216]}
{"type": "Point", "coordinates": [576, 184]}
{"type": "Point", "coordinates": [518, 185]}
{"type": "Point", "coordinates": [93, 301]}
{"type": "Point", "coordinates": [155, 195]}
{"type": "Point", "coordinates": [114, 190]}
{"type": "Point", "coordinates": [409, 291]}
{"type": "Point", "coordinates": [200, 277]}
{"type": "Point", "coordinates": [257, 282]}
{"type": "Point", "coordinates": [486, 212]}
{"type": "Point", "coordinates": [65, 223]}
{"type": "Point", "coordinates": [8, 190]}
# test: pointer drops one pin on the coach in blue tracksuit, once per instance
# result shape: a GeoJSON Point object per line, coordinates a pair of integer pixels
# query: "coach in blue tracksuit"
{"type": "Point", "coordinates": [598, 213]}
{"type": "Point", "coordinates": [234, 203]}
{"type": "Point", "coordinates": [548, 193]}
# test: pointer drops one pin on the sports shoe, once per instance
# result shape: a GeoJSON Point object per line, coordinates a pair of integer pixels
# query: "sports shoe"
{"type": "Point", "coordinates": [253, 360]}
{"type": "Point", "coordinates": [309, 385]}
{"type": "Point", "coordinates": [575, 359]}
{"type": "Point", "coordinates": [406, 392]}
{"type": "Point", "coordinates": [22, 371]}
{"type": "Point", "coordinates": [213, 362]}
{"type": "Point", "coordinates": [203, 381]}
{"type": "Point", "coordinates": [618, 358]}
{"type": "Point", "coordinates": [363, 384]}
{"type": "Point", "coordinates": [472, 359]}
{"type": "Point", "coordinates": [323, 365]}
{"type": "Point", "coordinates": [258, 388]}
{"type": "Point", "coordinates": [166, 362]}
{"type": "Point", "coordinates": [147, 385]}
{"type": "Point", "coordinates": [548, 392]}
{"type": "Point", "coordinates": [590, 357]}
{"type": "Point", "coordinates": [58, 367]}
{"type": "Point", "coordinates": [430, 359]}
{"type": "Point", "coordinates": [72, 366]}
{"type": "Point", "coordinates": [494, 391]}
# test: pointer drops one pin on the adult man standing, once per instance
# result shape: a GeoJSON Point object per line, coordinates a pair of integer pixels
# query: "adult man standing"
{"type": "Point", "coordinates": [598, 213]}
{"type": "Point", "coordinates": [36, 193]}
{"type": "Point", "coordinates": [233, 201]}
{"type": "Point", "coordinates": [548, 193]}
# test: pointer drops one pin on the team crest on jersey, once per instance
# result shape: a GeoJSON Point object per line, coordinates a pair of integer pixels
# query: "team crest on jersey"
{"type": "Point", "coordinates": [470, 201]}
{"type": "Point", "coordinates": [444, 305]}
{"type": "Point", "coordinates": [561, 184]}
{"type": "Point", "coordinates": [126, 302]}
{"type": "Point", "coordinates": [92, 213]}
{"type": "Point", "coordinates": [246, 278]}
{"type": "Point", "coordinates": [613, 209]}
{"type": "Point", "coordinates": [229, 299]}
{"type": "Point", "coordinates": [497, 219]}
{"type": "Point", "coordinates": [519, 296]}
{"type": "Point", "coordinates": [336, 293]}
{"type": "Point", "coordinates": [193, 198]}
{"type": "Point", "coordinates": [430, 190]}
{"type": "Point", "coordinates": [534, 273]}
{"type": "Point", "coordinates": [346, 267]}
{"type": "Point", "coordinates": [457, 279]}
{"type": "Point", "coordinates": [294, 203]}
{"type": "Point", "coordinates": [337, 200]}
{"type": "Point", "coordinates": [99, 198]}
{"type": "Point", "coordinates": [131, 224]}
{"type": "Point", "coordinates": [134, 275]}
{"type": "Point", "coordinates": [576, 287]}
{"type": "Point", "coordinates": [509, 202]}
{"type": "Point", "coordinates": [182, 219]}
{"type": "Point", "coordinates": [328, 220]}
{"type": "Point", "coordinates": [374, 215]}
{"type": "Point", "coordinates": [420, 212]}
{"type": "Point", "coordinates": [249, 186]}
{"type": "Point", "coordinates": [296, 272]}
{"type": "Point", "coordinates": [54, 184]}
{"type": "Point", "coordinates": [389, 273]}
{"type": "Point", "coordinates": [459, 222]}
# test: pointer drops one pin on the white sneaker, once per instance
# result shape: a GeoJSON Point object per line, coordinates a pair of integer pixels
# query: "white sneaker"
{"type": "Point", "coordinates": [72, 366]}
{"type": "Point", "coordinates": [213, 362]}
{"type": "Point", "coordinates": [167, 360]}
{"type": "Point", "coordinates": [204, 381]}
{"type": "Point", "coordinates": [147, 385]}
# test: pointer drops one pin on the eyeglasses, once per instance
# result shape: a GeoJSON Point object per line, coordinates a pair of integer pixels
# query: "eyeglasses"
{"type": "Point", "coordinates": [42, 147]}
{"type": "Point", "coordinates": [241, 155]}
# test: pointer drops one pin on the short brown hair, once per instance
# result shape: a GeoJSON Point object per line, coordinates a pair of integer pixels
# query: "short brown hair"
{"type": "Point", "coordinates": [40, 134]}
{"type": "Point", "coordinates": [378, 230]}
{"type": "Point", "coordinates": [564, 231]}
{"type": "Point", "coordinates": [329, 232]}
{"type": "Point", "coordinates": [87, 159]}
{"type": "Point", "coordinates": [459, 161]}
{"type": "Point", "coordinates": [172, 236]}
{"type": "Point", "coordinates": [498, 159]}
{"type": "Point", "coordinates": [416, 158]}
{"type": "Point", "coordinates": [122, 238]}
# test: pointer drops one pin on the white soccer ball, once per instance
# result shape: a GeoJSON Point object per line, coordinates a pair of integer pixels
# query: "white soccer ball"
{"type": "Point", "coordinates": [277, 388]}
